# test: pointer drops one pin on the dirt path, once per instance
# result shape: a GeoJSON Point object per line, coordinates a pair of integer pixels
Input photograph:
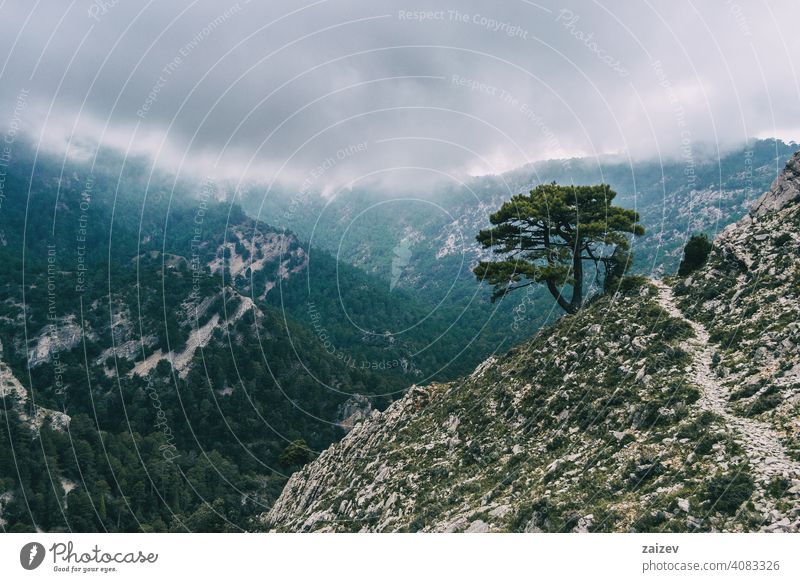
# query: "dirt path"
{"type": "Point", "coordinates": [760, 442]}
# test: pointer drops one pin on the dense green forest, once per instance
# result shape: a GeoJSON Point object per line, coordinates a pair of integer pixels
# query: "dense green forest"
{"type": "Point", "coordinates": [107, 267]}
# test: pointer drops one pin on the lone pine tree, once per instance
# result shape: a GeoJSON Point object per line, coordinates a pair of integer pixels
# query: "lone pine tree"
{"type": "Point", "coordinates": [547, 235]}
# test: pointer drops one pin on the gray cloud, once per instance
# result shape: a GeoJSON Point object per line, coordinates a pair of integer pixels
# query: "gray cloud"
{"type": "Point", "coordinates": [278, 91]}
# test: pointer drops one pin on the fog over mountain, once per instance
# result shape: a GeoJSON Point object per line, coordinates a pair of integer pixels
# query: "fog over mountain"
{"type": "Point", "coordinates": [396, 94]}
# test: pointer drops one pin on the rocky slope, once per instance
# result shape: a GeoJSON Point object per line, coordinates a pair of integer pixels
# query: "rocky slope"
{"type": "Point", "coordinates": [651, 410]}
{"type": "Point", "coordinates": [748, 298]}
{"type": "Point", "coordinates": [29, 413]}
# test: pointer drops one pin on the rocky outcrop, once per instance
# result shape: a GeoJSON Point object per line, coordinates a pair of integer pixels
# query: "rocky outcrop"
{"type": "Point", "coordinates": [31, 415]}
{"type": "Point", "coordinates": [62, 335]}
{"type": "Point", "coordinates": [258, 256]}
{"type": "Point", "coordinates": [198, 338]}
{"type": "Point", "coordinates": [784, 191]}
{"type": "Point", "coordinates": [353, 410]}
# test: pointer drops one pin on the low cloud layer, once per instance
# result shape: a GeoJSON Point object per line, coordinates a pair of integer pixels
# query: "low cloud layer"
{"type": "Point", "coordinates": [339, 92]}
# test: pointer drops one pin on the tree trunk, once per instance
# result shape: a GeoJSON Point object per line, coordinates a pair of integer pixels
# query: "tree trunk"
{"type": "Point", "coordinates": [577, 287]}
{"type": "Point", "coordinates": [563, 303]}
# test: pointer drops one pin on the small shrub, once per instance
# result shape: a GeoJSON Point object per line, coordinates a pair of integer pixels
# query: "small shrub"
{"type": "Point", "coordinates": [782, 239]}
{"type": "Point", "coordinates": [651, 521]}
{"type": "Point", "coordinates": [556, 443]}
{"type": "Point", "coordinates": [727, 492]}
{"type": "Point", "coordinates": [671, 329]}
{"type": "Point", "coordinates": [695, 254]}
{"type": "Point", "coordinates": [642, 471]}
{"type": "Point", "coordinates": [768, 400]}
{"type": "Point", "coordinates": [632, 283]}
{"type": "Point", "coordinates": [778, 487]}
{"type": "Point", "coordinates": [297, 453]}
{"type": "Point", "coordinates": [698, 427]}
{"type": "Point", "coordinates": [746, 391]}
{"type": "Point", "coordinates": [706, 444]}
{"type": "Point", "coordinates": [534, 513]}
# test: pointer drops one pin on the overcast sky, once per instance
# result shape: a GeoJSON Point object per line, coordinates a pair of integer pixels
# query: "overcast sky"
{"type": "Point", "coordinates": [365, 88]}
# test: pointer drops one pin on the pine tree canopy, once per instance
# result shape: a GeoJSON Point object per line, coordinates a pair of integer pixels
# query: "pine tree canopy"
{"type": "Point", "coordinates": [546, 236]}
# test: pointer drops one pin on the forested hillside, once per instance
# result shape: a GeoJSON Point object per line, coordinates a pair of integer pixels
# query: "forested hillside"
{"type": "Point", "coordinates": [167, 362]}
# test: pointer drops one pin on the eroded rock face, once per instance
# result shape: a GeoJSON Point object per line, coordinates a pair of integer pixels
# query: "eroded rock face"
{"type": "Point", "coordinates": [636, 414]}
{"type": "Point", "coordinates": [784, 191]}
{"type": "Point", "coordinates": [275, 256]}
{"type": "Point", "coordinates": [354, 410]}
{"type": "Point", "coordinates": [63, 335]}
{"type": "Point", "coordinates": [12, 388]}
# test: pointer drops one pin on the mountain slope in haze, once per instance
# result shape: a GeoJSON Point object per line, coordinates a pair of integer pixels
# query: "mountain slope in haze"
{"type": "Point", "coordinates": [166, 361]}
{"type": "Point", "coordinates": [436, 231]}
{"type": "Point", "coordinates": [143, 389]}
{"type": "Point", "coordinates": [657, 408]}
{"type": "Point", "coordinates": [424, 243]}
